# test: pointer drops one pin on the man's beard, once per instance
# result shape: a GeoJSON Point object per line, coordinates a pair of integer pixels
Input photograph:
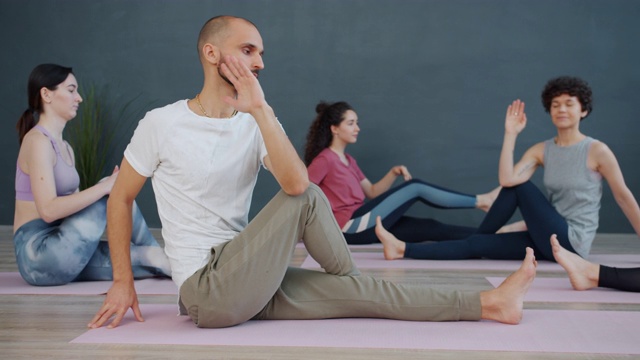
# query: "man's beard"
{"type": "Point", "coordinates": [255, 72]}
{"type": "Point", "coordinates": [223, 76]}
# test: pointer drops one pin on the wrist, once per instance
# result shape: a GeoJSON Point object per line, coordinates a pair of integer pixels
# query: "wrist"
{"type": "Point", "coordinates": [123, 279]}
{"type": "Point", "coordinates": [262, 111]}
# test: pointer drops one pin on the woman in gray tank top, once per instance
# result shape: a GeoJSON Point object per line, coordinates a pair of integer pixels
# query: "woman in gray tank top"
{"type": "Point", "coordinates": [574, 167]}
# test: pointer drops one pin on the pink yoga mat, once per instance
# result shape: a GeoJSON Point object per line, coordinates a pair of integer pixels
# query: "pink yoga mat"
{"type": "Point", "coordinates": [563, 331]}
{"type": "Point", "coordinates": [12, 284]}
{"type": "Point", "coordinates": [376, 260]}
{"type": "Point", "coordinates": [559, 290]}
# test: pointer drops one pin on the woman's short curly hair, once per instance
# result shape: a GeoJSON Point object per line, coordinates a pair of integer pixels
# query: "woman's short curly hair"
{"type": "Point", "coordinates": [573, 86]}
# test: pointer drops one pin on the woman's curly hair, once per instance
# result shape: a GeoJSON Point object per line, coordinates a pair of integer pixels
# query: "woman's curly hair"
{"type": "Point", "coordinates": [573, 86]}
{"type": "Point", "coordinates": [319, 136]}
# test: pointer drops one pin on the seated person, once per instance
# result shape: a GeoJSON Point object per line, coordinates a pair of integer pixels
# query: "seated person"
{"type": "Point", "coordinates": [574, 165]}
{"type": "Point", "coordinates": [203, 156]}
{"type": "Point", "coordinates": [338, 175]}
{"type": "Point", "coordinates": [57, 228]}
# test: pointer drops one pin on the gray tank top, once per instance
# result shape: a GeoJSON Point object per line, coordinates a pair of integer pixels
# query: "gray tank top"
{"type": "Point", "coordinates": [574, 190]}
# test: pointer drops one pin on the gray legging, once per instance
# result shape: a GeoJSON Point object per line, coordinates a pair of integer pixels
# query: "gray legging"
{"type": "Point", "coordinates": [394, 203]}
{"type": "Point", "coordinates": [249, 277]}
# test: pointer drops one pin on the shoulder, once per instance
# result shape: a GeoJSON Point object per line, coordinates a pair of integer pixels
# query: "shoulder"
{"type": "Point", "coordinates": [321, 159]}
{"type": "Point", "coordinates": [325, 154]}
{"type": "Point", "coordinates": [165, 113]}
{"type": "Point", "coordinates": [35, 151]}
{"type": "Point", "coordinates": [600, 152]}
{"type": "Point", "coordinates": [351, 159]}
{"type": "Point", "coordinates": [245, 122]}
{"type": "Point", "coordinates": [158, 119]}
{"type": "Point", "coordinates": [538, 149]}
{"type": "Point", "coordinates": [597, 145]}
{"type": "Point", "coordinates": [36, 140]}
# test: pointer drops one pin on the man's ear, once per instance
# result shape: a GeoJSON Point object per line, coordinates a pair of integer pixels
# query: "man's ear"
{"type": "Point", "coordinates": [211, 54]}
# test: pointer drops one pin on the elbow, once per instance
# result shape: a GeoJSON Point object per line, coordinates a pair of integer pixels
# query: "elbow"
{"type": "Point", "coordinates": [511, 182]}
{"type": "Point", "coordinates": [504, 183]}
{"type": "Point", "coordinates": [116, 202]}
{"type": "Point", "coordinates": [48, 216]}
{"type": "Point", "coordinates": [297, 188]}
{"type": "Point", "coordinates": [508, 181]}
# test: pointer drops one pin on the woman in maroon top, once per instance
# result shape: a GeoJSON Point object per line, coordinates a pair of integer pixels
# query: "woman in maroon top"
{"type": "Point", "coordinates": [346, 187]}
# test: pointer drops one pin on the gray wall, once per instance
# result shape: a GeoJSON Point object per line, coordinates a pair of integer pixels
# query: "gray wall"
{"type": "Point", "coordinates": [430, 79]}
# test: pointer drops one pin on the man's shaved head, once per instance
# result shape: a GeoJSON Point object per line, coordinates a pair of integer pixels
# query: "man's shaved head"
{"type": "Point", "coordinates": [216, 30]}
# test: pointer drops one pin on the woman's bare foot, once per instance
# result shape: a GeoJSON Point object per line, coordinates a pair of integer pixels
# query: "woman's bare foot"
{"type": "Point", "coordinates": [583, 274]}
{"type": "Point", "coordinates": [484, 201]}
{"type": "Point", "coordinates": [504, 303]}
{"type": "Point", "coordinates": [393, 248]}
{"type": "Point", "coordinates": [513, 227]}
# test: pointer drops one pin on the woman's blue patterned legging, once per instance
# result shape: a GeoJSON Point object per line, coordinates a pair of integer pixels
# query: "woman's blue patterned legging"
{"type": "Point", "coordinates": [70, 249]}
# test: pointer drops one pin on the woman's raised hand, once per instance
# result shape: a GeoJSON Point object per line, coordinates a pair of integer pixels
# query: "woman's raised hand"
{"type": "Point", "coordinates": [516, 119]}
{"type": "Point", "coordinates": [401, 170]}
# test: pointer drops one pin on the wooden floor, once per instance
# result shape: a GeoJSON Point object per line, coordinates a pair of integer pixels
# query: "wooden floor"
{"type": "Point", "coordinates": [36, 326]}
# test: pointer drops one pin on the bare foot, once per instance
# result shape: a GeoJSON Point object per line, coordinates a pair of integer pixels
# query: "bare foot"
{"type": "Point", "coordinates": [583, 275]}
{"type": "Point", "coordinates": [393, 248]}
{"type": "Point", "coordinates": [504, 303]}
{"type": "Point", "coordinates": [514, 227]}
{"type": "Point", "coordinates": [484, 201]}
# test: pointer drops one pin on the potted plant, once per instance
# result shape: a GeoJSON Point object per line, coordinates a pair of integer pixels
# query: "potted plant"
{"type": "Point", "coordinates": [98, 132]}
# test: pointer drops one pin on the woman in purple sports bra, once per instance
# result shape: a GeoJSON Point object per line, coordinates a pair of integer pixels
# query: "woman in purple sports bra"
{"type": "Point", "coordinates": [57, 228]}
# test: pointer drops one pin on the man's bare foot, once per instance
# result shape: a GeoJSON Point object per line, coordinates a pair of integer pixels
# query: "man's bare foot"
{"type": "Point", "coordinates": [393, 248]}
{"type": "Point", "coordinates": [484, 201]}
{"type": "Point", "coordinates": [583, 274]}
{"type": "Point", "coordinates": [504, 303]}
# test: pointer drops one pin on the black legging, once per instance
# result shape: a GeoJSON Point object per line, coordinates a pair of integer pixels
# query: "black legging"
{"type": "Point", "coordinates": [541, 218]}
{"type": "Point", "coordinates": [620, 278]}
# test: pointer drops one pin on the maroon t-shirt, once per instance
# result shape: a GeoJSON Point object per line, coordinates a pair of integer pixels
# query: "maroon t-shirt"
{"type": "Point", "coordinates": [339, 182]}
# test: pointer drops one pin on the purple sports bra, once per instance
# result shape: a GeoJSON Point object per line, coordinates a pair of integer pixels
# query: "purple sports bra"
{"type": "Point", "coordinates": [66, 176]}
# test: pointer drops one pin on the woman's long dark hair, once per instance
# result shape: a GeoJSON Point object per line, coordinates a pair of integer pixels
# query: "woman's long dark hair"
{"type": "Point", "coordinates": [44, 75]}
{"type": "Point", "coordinates": [319, 136]}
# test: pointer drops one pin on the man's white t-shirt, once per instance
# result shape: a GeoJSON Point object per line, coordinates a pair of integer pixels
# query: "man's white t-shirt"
{"type": "Point", "coordinates": [203, 172]}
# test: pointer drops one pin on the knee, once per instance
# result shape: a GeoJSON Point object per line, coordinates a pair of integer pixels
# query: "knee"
{"type": "Point", "coordinates": [96, 212]}
{"type": "Point", "coordinates": [210, 318]}
{"type": "Point", "coordinates": [411, 182]}
{"type": "Point", "coordinates": [525, 185]}
{"type": "Point", "coordinates": [312, 193]}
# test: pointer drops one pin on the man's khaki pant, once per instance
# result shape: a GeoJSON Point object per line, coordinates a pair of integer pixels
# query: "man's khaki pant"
{"type": "Point", "coordinates": [250, 278]}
